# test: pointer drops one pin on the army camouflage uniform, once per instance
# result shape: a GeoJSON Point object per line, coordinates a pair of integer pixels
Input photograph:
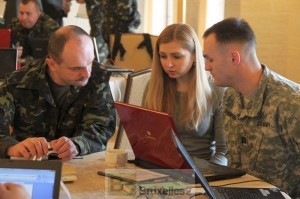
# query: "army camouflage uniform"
{"type": "Point", "coordinates": [94, 10]}
{"type": "Point", "coordinates": [87, 116]}
{"type": "Point", "coordinates": [110, 17]}
{"type": "Point", "coordinates": [264, 138]}
{"type": "Point", "coordinates": [42, 29]}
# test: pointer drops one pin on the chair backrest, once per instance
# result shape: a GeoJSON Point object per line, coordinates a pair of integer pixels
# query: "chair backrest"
{"type": "Point", "coordinates": [132, 50]}
{"type": "Point", "coordinates": [96, 49]}
{"type": "Point", "coordinates": [135, 87]}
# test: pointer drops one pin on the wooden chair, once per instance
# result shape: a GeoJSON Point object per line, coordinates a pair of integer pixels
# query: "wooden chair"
{"type": "Point", "coordinates": [132, 50]}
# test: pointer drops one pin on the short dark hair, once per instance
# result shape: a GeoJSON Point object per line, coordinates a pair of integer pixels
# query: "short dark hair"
{"type": "Point", "coordinates": [59, 38]}
{"type": "Point", "coordinates": [232, 30]}
{"type": "Point", "coordinates": [37, 3]}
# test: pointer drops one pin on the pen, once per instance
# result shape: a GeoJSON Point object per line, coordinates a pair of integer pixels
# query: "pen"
{"type": "Point", "coordinates": [78, 157]}
{"type": "Point", "coordinates": [115, 177]}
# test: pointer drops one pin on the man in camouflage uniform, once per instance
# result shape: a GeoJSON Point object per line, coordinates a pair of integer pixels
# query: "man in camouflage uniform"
{"type": "Point", "coordinates": [63, 99]}
{"type": "Point", "coordinates": [110, 17]}
{"type": "Point", "coordinates": [261, 108]}
{"type": "Point", "coordinates": [31, 23]}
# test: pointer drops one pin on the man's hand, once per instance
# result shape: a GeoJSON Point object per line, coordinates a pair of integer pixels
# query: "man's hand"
{"type": "Point", "coordinates": [66, 6]}
{"type": "Point", "coordinates": [29, 148]}
{"type": "Point", "coordinates": [13, 191]}
{"type": "Point", "coordinates": [65, 148]}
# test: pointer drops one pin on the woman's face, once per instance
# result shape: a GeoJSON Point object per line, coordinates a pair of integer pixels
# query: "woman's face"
{"type": "Point", "coordinates": [175, 60]}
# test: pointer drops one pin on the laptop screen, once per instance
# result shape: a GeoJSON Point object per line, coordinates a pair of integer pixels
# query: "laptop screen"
{"type": "Point", "coordinates": [39, 47]}
{"type": "Point", "coordinates": [8, 61]}
{"type": "Point", "coordinates": [192, 165]}
{"type": "Point", "coordinates": [40, 178]}
{"type": "Point", "coordinates": [148, 132]}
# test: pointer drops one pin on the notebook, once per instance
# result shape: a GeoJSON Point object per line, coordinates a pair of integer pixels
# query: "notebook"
{"type": "Point", "coordinates": [225, 192]}
{"type": "Point", "coordinates": [40, 178]}
{"type": "Point", "coordinates": [39, 47]}
{"type": "Point", "coordinates": [5, 38]}
{"type": "Point", "coordinates": [149, 135]}
{"type": "Point", "coordinates": [8, 61]}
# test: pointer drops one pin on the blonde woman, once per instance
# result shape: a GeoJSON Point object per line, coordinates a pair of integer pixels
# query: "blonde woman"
{"type": "Point", "coordinates": [179, 85]}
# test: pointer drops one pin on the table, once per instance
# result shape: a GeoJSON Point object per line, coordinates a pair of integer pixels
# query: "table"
{"type": "Point", "coordinates": [91, 185]}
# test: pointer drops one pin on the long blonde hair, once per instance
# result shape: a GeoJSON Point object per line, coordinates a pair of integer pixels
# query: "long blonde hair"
{"type": "Point", "coordinates": [162, 89]}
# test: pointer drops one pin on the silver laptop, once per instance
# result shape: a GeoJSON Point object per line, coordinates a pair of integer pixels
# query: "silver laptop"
{"type": "Point", "coordinates": [40, 178]}
{"type": "Point", "coordinates": [225, 192]}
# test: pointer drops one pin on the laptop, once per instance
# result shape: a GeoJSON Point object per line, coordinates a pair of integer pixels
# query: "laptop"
{"type": "Point", "coordinates": [39, 47]}
{"type": "Point", "coordinates": [149, 135]}
{"type": "Point", "coordinates": [5, 38]}
{"type": "Point", "coordinates": [8, 61]}
{"type": "Point", "coordinates": [40, 178]}
{"type": "Point", "coordinates": [225, 192]}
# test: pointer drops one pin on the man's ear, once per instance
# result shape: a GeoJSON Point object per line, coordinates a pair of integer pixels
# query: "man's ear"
{"type": "Point", "coordinates": [51, 63]}
{"type": "Point", "coordinates": [235, 56]}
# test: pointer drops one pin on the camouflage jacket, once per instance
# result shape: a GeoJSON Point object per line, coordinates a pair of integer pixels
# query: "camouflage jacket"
{"type": "Point", "coordinates": [26, 103]}
{"type": "Point", "coordinates": [265, 139]}
{"type": "Point", "coordinates": [112, 16]}
{"type": "Point", "coordinates": [94, 10]}
{"type": "Point", "coordinates": [42, 29]}
{"type": "Point", "coordinates": [121, 16]}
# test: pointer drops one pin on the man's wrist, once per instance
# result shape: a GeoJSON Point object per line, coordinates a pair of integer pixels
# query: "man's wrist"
{"type": "Point", "coordinates": [77, 148]}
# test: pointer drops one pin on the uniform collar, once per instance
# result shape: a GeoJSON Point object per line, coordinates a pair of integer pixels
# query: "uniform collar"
{"type": "Point", "coordinates": [234, 100]}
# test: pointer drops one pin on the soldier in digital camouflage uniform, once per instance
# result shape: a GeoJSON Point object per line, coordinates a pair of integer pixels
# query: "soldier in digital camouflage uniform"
{"type": "Point", "coordinates": [261, 108]}
{"type": "Point", "coordinates": [64, 99]}
{"type": "Point", "coordinates": [110, 17]}
{"type": "Point", "coordinates": [31, 23]}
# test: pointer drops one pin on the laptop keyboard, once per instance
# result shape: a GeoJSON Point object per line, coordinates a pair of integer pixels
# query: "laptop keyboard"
{"type": "Point", "coordinates": [231, 193]}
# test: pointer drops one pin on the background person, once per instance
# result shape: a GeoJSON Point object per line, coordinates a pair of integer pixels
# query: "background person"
{"type": "Point", "coordinates": [179, 86]}
{"type": "Point", "coordinates": [64, 99]}
{"type": "Point", "coordinates": [57, 9]}
{"type": "Point", "coordinates": [261, 108]}
{"type": "Point", "coordinates": [31, 23]}
{"type": "Point", "coordinates": [108, 17]}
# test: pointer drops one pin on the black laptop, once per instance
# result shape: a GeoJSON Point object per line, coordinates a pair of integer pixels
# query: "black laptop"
{"type": "Point", "coordinates": [225, 192]}
{"type": "Point", "coordinates": [149, 135]}
{"type": "Point", "coordinates": [8, 61]}
{"type": "Point", "coordinates": [40, 178]}
{"type": "Point", "coordinates": [39, 47]}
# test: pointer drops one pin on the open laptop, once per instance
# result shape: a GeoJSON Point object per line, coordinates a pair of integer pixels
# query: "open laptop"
{"type": "Point", "coordinates": [5, 38]}
{"type": "Point", "coordinates": [39, 47]}
{"type": "Point", "coordinates": [8, 61]}
{"type": "Point", "coordinates": [40, 178]}
{"type": "Point", "coordinates": [149, 135]}
{"type": "Point", "coordinates": [225, 192]}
